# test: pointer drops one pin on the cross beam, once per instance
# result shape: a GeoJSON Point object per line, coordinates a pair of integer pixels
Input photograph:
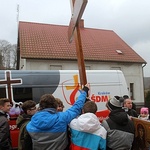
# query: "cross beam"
{"type": "Point", "coordinates": [8, 82]}
{"type": "Point", "coordinates": [78, 7]}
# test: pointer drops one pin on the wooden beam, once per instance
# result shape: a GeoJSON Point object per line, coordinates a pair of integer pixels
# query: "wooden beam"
{"type": "Point", "coordinates": [77, 8]}
{"type": "Point", "coordinates": [74, 29]}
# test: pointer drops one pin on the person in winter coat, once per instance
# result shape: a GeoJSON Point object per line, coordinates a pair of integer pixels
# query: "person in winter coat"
{"type": "Point", "coordinates": [128, 104]}
{"type": "Point", "coordinates": [29, 109]}
{"type": "Point", "coordinates": [48, 127]}
{"type": "Point", "coordinates": [5, 140]}
{"type": "Point", "coordinates": [86, 130]}
{"type": "Point", "coordinates": [120, 129]}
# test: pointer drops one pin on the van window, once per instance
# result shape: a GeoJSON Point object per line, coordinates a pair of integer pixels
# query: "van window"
{"type": "Point", "coordinates": [22, 94]}
{"type": "Point", "coordinates": [2, 92]}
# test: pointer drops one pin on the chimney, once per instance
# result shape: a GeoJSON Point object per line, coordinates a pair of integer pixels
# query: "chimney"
{"type": "Point", "coordinates": [81, 23]}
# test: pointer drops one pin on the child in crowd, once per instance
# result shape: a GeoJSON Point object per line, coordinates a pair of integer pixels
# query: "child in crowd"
{"type": "Point", "coordinates": [60, 105]}
{"type": "Point", "coordinates": [86, 130]}
{"type": "Point", "coordinates": [120, 129]}
{"type": "Point", "coordinates": [5, 140]}
{"type": "Point", "coordinates": [144, 113]}
{"type": "Point", "coordinates": [29, 109]}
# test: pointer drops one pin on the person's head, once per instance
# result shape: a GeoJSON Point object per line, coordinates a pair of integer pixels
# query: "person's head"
{"type": "Point", "coordinates": [115, 103]}
{"type": "Point", "coordinates": [60, 106]}
{"type": "Point", "coordinates": [5, 105]}
{"type": "Point", "coordinates": [141, 131]}
{"type": "Point", "coordinates": [128, 103]}
{"type": "Point", "coordinates": [144, 112]}
{"type": "Point", "coordinates": [89, 107]}
{"type": "Point", "coordinates": [29, 107]}
{"type": "Point", "coordinates": [48, 101]}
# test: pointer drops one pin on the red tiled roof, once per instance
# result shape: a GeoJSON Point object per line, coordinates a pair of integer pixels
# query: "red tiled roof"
{"type": "Point", "coordinates": [45, 41]}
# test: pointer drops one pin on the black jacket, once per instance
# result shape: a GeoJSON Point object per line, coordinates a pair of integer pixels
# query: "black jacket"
{"type": "Point", "coordinates": [120, 130]}
{"type": "Point", "coordinates": [132, 112]}
{"type": "Point", "coordinates": [5, 140]}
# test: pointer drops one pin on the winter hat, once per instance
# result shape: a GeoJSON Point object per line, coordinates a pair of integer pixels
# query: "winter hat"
{"type": "Point", "coordinates": [115, 103]}
{"type": "Point", "coordinates": [144, 110]}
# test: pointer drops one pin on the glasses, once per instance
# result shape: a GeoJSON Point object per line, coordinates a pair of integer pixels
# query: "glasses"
{"type": "Point", "coordinates": [34, 108]}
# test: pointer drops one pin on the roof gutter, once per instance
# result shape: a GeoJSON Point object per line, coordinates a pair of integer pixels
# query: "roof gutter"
{"type": "Point", "coordinates": [144, 65]}
{"type": "Point", "coordinates": [143, 80]}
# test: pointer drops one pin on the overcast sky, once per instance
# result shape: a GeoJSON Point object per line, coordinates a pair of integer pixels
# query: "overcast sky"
{"type": "Point", "coordinates": [130, 19]}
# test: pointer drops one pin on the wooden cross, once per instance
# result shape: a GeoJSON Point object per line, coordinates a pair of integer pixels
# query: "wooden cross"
{"type": "Point", "coordinates": [78, 7]}
{"type": "Point", "coordinates": [9, 82]}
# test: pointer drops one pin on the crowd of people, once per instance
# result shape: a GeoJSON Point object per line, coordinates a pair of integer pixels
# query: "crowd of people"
{"type": "Point", "coordinates": [49, 127]}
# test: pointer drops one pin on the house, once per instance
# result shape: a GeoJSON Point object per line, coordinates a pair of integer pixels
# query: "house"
{"type": "Point", "coordinates": [46, 47]}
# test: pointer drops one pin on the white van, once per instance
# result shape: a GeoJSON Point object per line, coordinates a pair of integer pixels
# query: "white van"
{"type": "Point", "coordinates": [22, 85]}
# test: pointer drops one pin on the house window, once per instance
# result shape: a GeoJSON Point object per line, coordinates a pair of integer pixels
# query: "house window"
{"type": "Point", "coordinates": [115, 68]}
{"type": "Point", "coordinates": [87, 67]}
{"type": "Point", "coordinates": [55, 67]}
{"type": "Point", "coordinates": [132, 91]}
{"type": "Point", "coordinates": [119, 51]}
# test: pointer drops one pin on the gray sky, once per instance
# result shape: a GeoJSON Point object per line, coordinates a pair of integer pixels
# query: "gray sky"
{"type": "Point", "coordinates": [128, 18]}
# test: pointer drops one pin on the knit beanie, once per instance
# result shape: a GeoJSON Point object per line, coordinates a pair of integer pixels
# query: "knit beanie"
{"type": "Point", "coordinates": [144, 110]}
{"type": "Point", "coordinates": [115, 103]}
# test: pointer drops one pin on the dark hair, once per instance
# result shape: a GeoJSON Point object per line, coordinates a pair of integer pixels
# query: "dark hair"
{"type": "Point", "coordinates": [140, 126]}
{"type": "Point", "coordinates": [27, 105]}
{"type": "Point", "coordinates": [60, 103]}
{"type": "Point", "coordinates": [48, 101]}
{"type": "Point", "coordinates": [3, 101]}
{"type": "Point", "coordinates": [90, 107]}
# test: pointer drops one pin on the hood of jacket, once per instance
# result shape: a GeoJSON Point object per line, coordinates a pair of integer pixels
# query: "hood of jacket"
{"type": "Point", "coordinates": [21, 119]}
{"type": "Point", "coordinates": [44, 119]}
{"type": "Point", "coordinates": [87, 122]}
{"type": "Point", "coordinates": [119, 116]}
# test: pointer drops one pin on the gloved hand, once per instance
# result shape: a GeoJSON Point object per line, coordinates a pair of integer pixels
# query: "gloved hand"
{"type": "Point", "coordinates": [86, 89]}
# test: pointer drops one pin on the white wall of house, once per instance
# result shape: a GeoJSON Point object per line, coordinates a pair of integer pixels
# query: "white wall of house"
{"type": "Point", "coordinates": [133, 71]}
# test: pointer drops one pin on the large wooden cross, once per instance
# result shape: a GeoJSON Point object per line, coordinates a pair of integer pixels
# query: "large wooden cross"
{"type": "Point", "coordinates": [77, 7]}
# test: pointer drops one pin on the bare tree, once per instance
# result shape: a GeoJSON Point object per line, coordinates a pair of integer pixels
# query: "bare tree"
{"type": "Point", "coordinates": [14, 56]}
{"type": "Point", "coordinates": [1, 62]}
{"type": "Point", "coordinates": [7, 55]}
